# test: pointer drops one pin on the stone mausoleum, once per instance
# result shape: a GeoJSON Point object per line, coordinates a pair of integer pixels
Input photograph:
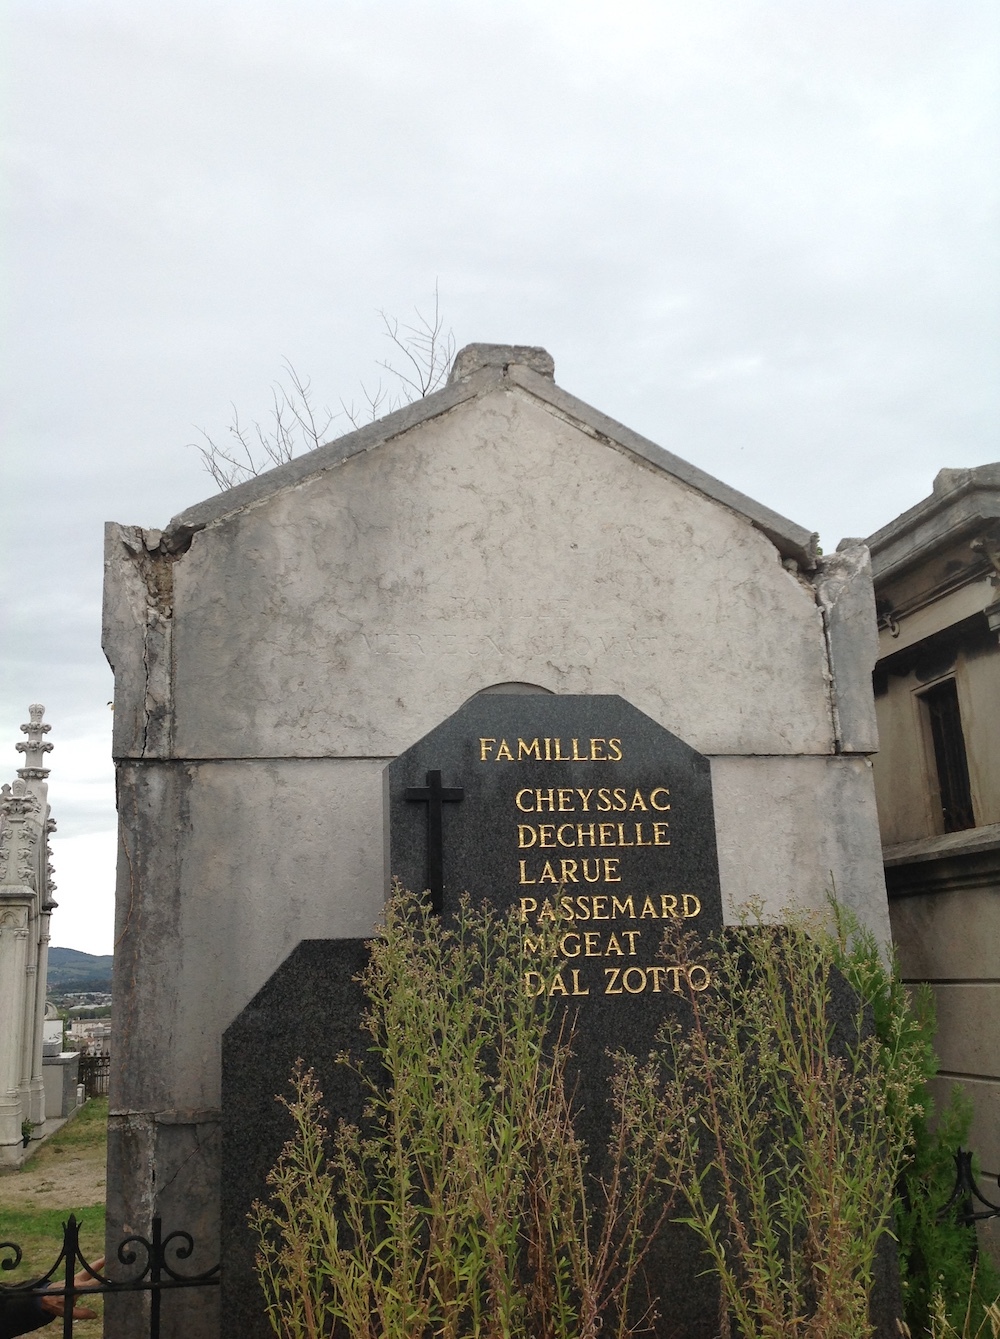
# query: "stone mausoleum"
{"type": "Point", "coordinates": [277, 646]}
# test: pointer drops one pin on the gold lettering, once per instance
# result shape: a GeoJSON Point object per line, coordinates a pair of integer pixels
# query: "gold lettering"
{"type": "Point", "coordinates": [613, 947]}
{"type": "Point", "coordinates": [525, 836]}
{"type": "Point", "coordinates": [565, 794]}
{"type": "Point", "coordinates": [638, 836]}
{"type": "Point", "coordinates": [660, 790]}
{"type": "Point", "coordinates": [548, 874]}
{"type": "Point", "coordinates": [548, 752]}
{"type": "Point", "coordinates": [575, 973]}
{"type": "Point", "coordinates": [614, 750]}
{"type": "Point", "coordinates": [631, 936]}
{"type": "Point", "coordinates": [546, 836]}
{"type": "Point", "coordinates": [665, 909]}
{"type": "Point", "coordinates": [546, 798]}
{"type": "Point", "coordinates": [676, 987]}
{"type": "Point", "coordinates": [558, 756]}
{"type": "Point", "coordinates": [636, 974]}
{"type": "Point", "coordinates": [547, 912]}
{"type": "Point", "coordinates": [620, 802]}
{"type": "Point", "coordinates": [592, 944]}
{"type": "Point", "coordinates": [585, 829]}
{"type": "Point", "coordinates": [603, 799]}
{"type": "Point", "coordinates": [503, 751]}
{"type": "Point", "coordinates": [484, 748]}
{"type": "Point", "coordinates": [585, 796]}
{"type": "Point", "coordinates": [597, 751]}
{"type": "Point", "coordinates": [591, 878]}
{"type": "Point", "coordinates": [564, 948]}
{"type": "Point", "coordinates": [598, 904]}
{"type": "Point", "coordinates": [533, 984]}
{"type": "Point", "coordinates": [525, 809]}
{"type": "Point", "coordinates": [659, 834]}
{"type": "Point", "coordinates": [566, 907]}
{"type": "Point", "coordinates": [569, 871]}
{"type": "Point", "coordinates": [648, 909]}
{"type": "Point", "coordinates": [558, 986]}
{"type": "Point", "coordinates": [528, 904]}
{"type": "Point", "coordinates": [564, 827]}
{"type": "Point", "coordinates": [532, 946]}
{"type": "Point", "coordinates": [611, 874]}
{"type": "Point", "coordinates": [621, 836]}
{"type": "Point", "coordinates": [705, 978]}
{"type": "Point", "coordinates": [689, 900]}
{"type": "Point", "coordinates": [531, 750]}
{"type": "Point", "coordinates": [583, 906]}
{"type": "Point", "coordinates": [613, 973]}
{"type": "Point", "coordinates": [524, 873]}
{"type": "Point", "coordinates": [638, 802]}
{"type": "Point", "coordinates": [576, 752]}
{"type": "Point", "coordinates": [656, 975]}
{"type": "Point", "coordinates": [607, 831]}
{"type": "Point", "coordinates": [626, 908]}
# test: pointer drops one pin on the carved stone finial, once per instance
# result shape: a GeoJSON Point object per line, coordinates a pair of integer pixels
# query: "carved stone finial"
{"type": "Point", "coordinates": [36, 747]}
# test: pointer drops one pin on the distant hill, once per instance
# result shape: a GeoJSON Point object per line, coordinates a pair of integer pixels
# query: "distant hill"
{"type": "Point", "coordinates": [71, 971]}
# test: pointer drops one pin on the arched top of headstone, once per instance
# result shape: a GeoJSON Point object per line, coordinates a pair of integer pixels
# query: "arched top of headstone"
{"type": "Point", "coordinates": [535, 796]}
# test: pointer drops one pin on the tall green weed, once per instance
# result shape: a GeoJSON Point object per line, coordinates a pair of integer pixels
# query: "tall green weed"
{"type": "Point", "coordinates": [944, 1281]}
{"type": "Point", "coordinates": [462, 1207]}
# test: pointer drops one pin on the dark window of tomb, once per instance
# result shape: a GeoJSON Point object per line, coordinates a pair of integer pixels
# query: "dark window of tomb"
{"type": "Point", "coordinates": [941, 704]}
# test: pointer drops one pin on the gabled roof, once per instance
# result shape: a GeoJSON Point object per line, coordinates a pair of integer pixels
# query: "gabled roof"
{"type": "Point", "coordinates": [480, 369]}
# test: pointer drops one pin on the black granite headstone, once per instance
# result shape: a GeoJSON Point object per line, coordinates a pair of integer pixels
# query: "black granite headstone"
{"type": "Point", "coordinates": [583, 813]}
{"type": "Point", "coordinates": [310, 1009]}
{"type": "Point", "coordinates": [580, 812]}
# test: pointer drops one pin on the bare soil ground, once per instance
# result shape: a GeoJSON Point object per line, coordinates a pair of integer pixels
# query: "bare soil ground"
{"type": "Point", "coordinates": [68, 1172]}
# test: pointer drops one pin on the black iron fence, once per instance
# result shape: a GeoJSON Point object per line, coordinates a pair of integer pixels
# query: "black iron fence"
{"type": "Point", "coordinates": [966, 1197]}
{"type": "Point", "coordinates": [95, 1071]}
{"type": "Point", "coordinates": [153, 1266]}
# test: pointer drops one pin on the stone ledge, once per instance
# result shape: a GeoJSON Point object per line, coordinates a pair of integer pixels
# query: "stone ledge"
{"type": "Point", "coordinates": [971, 841]}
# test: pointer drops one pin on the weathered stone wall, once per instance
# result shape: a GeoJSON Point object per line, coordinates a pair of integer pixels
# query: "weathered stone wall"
{"type": "Point", "coordinates": [277, 646]}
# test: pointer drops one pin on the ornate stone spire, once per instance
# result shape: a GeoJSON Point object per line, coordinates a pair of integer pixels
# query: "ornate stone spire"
{"type": "Point", "coordinates": [36, 746]}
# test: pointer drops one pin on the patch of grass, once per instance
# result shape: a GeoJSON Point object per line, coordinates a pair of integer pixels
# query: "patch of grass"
{"type": "Point", "coordinates": [38, 1232]}
{"type": "Point", "coordinates": [86, 1133]}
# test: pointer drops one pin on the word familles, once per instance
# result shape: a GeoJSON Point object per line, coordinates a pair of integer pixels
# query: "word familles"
{"type": "Point", "coordinates": [550, 750]}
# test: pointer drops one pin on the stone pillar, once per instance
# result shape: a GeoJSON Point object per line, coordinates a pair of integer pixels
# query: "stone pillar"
{"type": "Point", "coordinates": [15, 905]}
{"type": "Point", "coordinates": [24, 914]}
{"type": "Point", "coordinates": [38, 1115]}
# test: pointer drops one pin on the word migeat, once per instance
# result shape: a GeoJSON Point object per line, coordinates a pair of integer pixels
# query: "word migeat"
{"type": "Point", "coordinates": [621, 980]}
{"type": "Point", "coordinates": [550, 750]}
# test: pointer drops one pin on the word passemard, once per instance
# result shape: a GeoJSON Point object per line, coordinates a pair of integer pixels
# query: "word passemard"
{"type": "Point", "coordinates": [606, 939]}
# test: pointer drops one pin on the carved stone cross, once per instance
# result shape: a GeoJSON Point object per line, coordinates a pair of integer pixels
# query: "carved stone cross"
{"type": "Point", "coordinates": [433, 794]}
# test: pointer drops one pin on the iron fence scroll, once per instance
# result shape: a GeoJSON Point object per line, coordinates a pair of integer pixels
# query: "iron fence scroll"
{"type": "Point", "coordinates": [966, 1194]}
{"type": "Point", "coordinates": [155, 1259]}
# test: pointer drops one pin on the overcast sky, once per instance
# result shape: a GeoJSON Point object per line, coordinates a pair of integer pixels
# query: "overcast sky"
{"type": "Point", "coordinates": [763, 234]}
